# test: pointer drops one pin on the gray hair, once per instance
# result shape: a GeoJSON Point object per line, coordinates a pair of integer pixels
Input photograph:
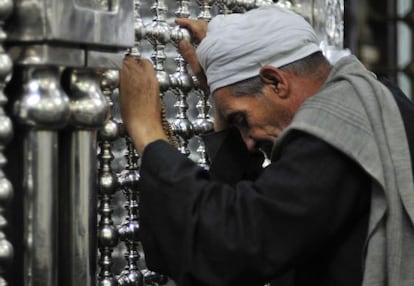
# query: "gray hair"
{"type": "Point", "coordinates": [309, 66]}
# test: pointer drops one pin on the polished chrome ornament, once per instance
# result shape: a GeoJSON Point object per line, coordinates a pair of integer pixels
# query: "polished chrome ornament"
{"type": "Point", "coordinates": [89, 107]}
{"type": "Point", "coordinates": [203, 123]}
{"type": "Point", "coordinates": [181, 84]}
{"type": "Point", "coordinates": [43, 103]}
{"type": "Point", "coordinates": [205, 9]}
{"type": "Point", "coordinates": [78, 197]}
{"type": "Point", "coordinates": [6, 133]}
{"type": "Point", "coordinates": [223, 7]}
{"type": "Point", "coordinates": [240, 6]}
{"type": "Point", "coordinates": [107, 185]}
{"type": "Point", "coordinates": [335, 23]}
{"type": "Point", "coordinates": [158, 34]}
{"type": "Point", "coordinates": [129, 230]}
{"type": "Point", "coordinates": [154, 279]}
{"type": "Point", "coordinates": [43, 108]}
{"type": "Point", "coordinates": [139, 29]}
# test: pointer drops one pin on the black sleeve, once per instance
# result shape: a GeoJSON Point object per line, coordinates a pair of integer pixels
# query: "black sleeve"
{"type": "Point", "coordinates": [231, 162]}
{"type": "Point", "coordinates": [203, 232]}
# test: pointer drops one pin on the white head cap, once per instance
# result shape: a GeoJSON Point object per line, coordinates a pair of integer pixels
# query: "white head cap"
{"type": "Point", "coordinates": [238, 45]}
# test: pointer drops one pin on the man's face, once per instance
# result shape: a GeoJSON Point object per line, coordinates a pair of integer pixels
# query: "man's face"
{"type": "Point", "coordinates": [260, 119]}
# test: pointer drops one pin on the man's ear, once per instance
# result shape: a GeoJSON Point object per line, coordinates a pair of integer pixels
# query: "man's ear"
{"type": "Point", "coordinates": [277, 79]}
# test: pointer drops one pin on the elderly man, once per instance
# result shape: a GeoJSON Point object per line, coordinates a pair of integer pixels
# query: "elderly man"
{"type": "Point", "coordinates": [336, 204]}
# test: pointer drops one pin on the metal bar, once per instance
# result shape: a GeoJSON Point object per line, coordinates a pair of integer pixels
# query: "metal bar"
{"type": "Point", "coordinates": [40, 207]}
{"type": "Point", "coordinates": [77, 241]}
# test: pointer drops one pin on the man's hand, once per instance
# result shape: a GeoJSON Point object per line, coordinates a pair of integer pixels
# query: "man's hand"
{"type": "Point", "coordinates": [188, 52]}
{"type": "Point", "coordinates": [140, 102]}
{"type": "Point", "coordinates": [198, 30]}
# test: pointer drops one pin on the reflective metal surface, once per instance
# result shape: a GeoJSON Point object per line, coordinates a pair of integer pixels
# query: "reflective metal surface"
{"type": "Point", "coordinates": [79, 169]}
{"type": "Point", "coordinates": [88, 112]}
{"type": "Point", "coordinates": [77, 209]}
{"type": "Point", "coordinates": [181, 83]}
{"type": "Point", "coordinates": [40, 208]}
{"type": "Point", "coordinates": [88, 106]}
{"type": "Point", "coordinates": [6, 133]}
{"type": "Point", "coordinates": [43, 103]}
{"type": "Point", "coordinates": [68, 22]}
{"type": "Point", "coordinates": [107, 186]}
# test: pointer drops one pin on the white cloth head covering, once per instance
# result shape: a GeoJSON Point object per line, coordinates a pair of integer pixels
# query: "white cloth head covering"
{"type": "Point", "coordinates": [238, 45]}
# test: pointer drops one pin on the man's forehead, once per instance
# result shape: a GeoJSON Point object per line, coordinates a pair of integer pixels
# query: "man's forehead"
{"type": "Point", "coordinates": [223, 96]}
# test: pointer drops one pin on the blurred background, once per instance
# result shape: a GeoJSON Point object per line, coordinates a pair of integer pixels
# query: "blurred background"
{"type": "Point", "coordinates": [380, 33]}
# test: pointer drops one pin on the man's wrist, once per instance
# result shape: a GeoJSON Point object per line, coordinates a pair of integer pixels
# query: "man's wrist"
{"type": "Point", "coordinates": [142, 137]}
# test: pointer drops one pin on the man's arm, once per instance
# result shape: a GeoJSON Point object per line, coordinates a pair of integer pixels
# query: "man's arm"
{"type": "Point", "coordinates": [203, 232]}
{"type": "Point", "coordinates": [140, 102]}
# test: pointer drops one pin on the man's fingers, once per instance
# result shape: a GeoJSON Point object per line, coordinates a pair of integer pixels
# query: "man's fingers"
{"type": "Point", "coordinates": [187, 50]}
{"type": "Point", "coordinates": [133, 67]}
{"type": "Point", "coordinates": [198, 28]}
{"type": "Point", "coordinates": [148, 66]}
{"type": "Point", "coordinates": [185, 22]}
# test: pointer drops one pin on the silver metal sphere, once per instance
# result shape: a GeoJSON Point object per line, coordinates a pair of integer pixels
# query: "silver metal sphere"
{"type": "Point", "coordinates": [128, 178]}
{"type": "Point", "coordinates": [6, 66]}
{"type": "Point", "coordinates": [6, 250]}
{"type": "Point", "coordinates": [130, 278]}
{"type": "Point", "coordinates": [107, 235]}
{"type": "Point", "coordinates": [110, 131]}
{"type": "Point", "coordinates": [43, 104]}
{"type": "Point", "coordinates": [182, 81]}
{"type": "Point", "coordinates": [6, 191]}
{"type": "Point", "coordinates": [6, 129]}
{"type": "Point", "coordinates": [158, 33]}
{"type": "Point", "coordinates": [180, 33]}
{"type": "Point", "coordinates": [3, 160]}
{"type": "Point", "coordinates": [3, 222]}
{"type": "Point", "coordinates": [140, 30]}
{"type": "Point", "coordinates": [183, 128]}
{"type": "Point", "coordinates": [6, 7]}
{"type": "Point", "coordinates": [202, 126]}
{"type": "Point", "coordinates": [129, 231]}
{"type": "Point", "coordinates": [3, 97]}
{"type": "Point", "coordinates": [108, 183]}
{"type": "Point", "coordinates": [164, 80]}
{"type": "Point", "coordinates": [108, 281]}
{"type": "Point", "coordinates": [110, 79]}
{"type": "Point", "coordinates": [89, 107]}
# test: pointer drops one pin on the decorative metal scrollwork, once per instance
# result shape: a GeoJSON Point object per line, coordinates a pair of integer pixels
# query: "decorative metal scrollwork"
{"type": "Point", "coordinates": [107, 186]}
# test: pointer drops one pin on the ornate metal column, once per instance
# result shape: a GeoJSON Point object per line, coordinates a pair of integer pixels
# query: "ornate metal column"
{"type": "Point", "coordinates": [181, 84]}
{"type": "Point", "coordinates": [79, 38]}
{"type": "Point", "coordinates": [129, 230]}
{"type": "Point", "coordinates": [107, 186]}
{"type": "Point", "coordinates": [43, 108]}
{"type": "Point", "coordinates": [89, 111]}
{"type": "Point", "coordinates": [158, 34]}
{"type": "Point", "coordinates": [6, 132]}
{"type": "Point", "coordinates": [203, 123]}
{"type": "Point", "coordinates": [128, 179]}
